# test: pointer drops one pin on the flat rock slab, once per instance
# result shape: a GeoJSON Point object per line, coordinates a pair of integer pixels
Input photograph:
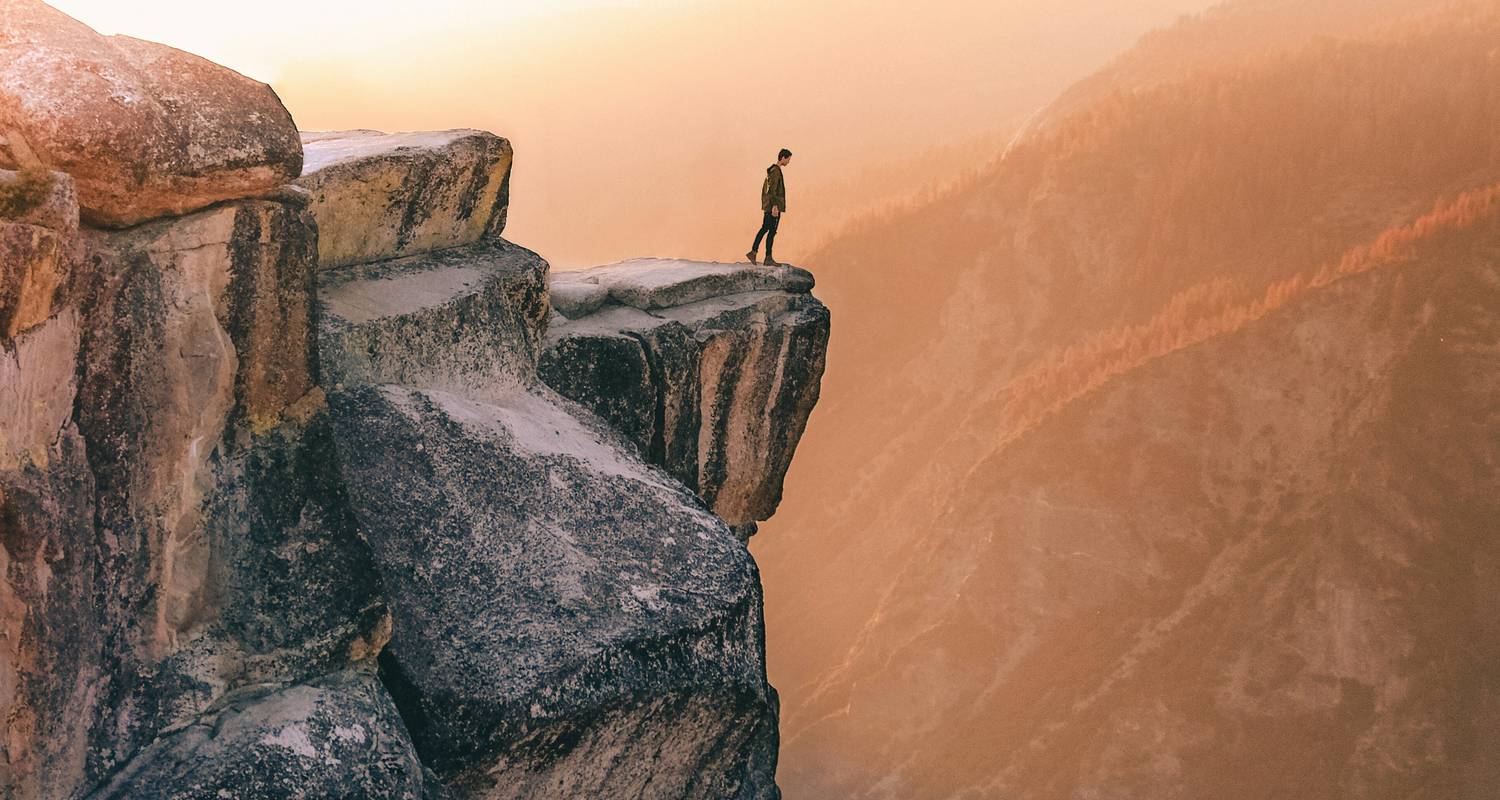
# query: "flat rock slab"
{"type": "Point", "coordinates": [569, 621]}
{"type": "Point", "coordinates": [339, 736]}
{"type": "Point", "coordinates": [385, 195]}
{"type": "Point", "coordinates": [146, 130]}
{"type": "Point", "coordinates": [453, 318]}
{"type": "Point", "coordinates": [652, 283]}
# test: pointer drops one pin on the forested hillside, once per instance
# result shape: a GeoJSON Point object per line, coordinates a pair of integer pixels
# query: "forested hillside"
{"type": "Point", "coordinates": [1131, 371]}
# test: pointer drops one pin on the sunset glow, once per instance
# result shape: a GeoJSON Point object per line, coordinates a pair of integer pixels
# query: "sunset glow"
{"type": "Point", "coordinates": [749, 399]}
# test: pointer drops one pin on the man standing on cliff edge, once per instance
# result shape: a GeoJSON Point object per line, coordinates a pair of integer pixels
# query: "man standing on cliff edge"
{"type": "Point", "coordinates": [772, 202]}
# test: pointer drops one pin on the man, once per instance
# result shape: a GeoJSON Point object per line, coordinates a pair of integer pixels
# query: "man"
{"type": "Point", "coordinates": [772, 203]}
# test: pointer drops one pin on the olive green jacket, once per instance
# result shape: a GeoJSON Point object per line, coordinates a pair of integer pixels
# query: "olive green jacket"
{"type": "Point", "coordinates": [773, 191]}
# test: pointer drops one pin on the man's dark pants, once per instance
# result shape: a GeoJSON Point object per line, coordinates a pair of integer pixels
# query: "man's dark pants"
{"type": "Point", "coordinates": [768, 230]}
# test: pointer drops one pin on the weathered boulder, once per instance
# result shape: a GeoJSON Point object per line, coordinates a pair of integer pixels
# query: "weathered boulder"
{"type": "Point", "coordinates": [338, 736]}
{"type": "Point", "coordinates": [146, 130]}
{"type": "Point", "coordinates": [450, 318]}
{"type": "Point", "coordinates": [378, 196]}
{"type": "Point", "coordinates": [718, 390]}
{"type": "Point", "coordinates": [568, 620]}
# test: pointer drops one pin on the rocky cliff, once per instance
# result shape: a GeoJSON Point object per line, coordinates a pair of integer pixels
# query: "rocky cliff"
{"type": "Point", "coordinates": [312, 485]}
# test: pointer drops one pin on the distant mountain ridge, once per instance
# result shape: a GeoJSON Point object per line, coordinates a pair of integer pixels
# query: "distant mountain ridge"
{"type": "Point", "coordinates": [1103, 352]}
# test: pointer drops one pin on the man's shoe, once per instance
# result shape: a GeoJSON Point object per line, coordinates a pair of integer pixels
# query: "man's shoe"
{"type": "Point", "coordinates": [751, 255]}
{"type": "Point", "coordinates": [771, 262]}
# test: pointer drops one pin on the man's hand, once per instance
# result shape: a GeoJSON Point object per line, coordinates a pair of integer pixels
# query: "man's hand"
{"type": "Point", "coordinates": [775, 212]}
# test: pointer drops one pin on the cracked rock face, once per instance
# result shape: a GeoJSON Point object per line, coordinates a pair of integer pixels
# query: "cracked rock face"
{"type": "Point", "coordinates": [379, 196]}
{"type": "Point", "coordinates": [169, 525]}
{"type": "Point", "coordinates": [337, 736]}
{"type": "Point", "coordinates": [710, 369]}
{"type": "Point", "coordinates": [566, 615]}
{"type": "Point", "coordinates": [145, 130]}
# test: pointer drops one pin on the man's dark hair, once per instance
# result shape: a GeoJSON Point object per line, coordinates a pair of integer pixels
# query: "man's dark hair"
{"type": "Point", "coordinates": [785, 153]}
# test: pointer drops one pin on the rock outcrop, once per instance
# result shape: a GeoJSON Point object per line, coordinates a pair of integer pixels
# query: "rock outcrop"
{"type": "Point", "coordinates": [286, 509]}
{"type": "Point", "coordinates": [338, 736]}
{"type": "Point", "coordinates": [378, 196]}
{"type": "Point", "coordinates": [568, 619]}
{"type": "Point", "coordinates": [710, 370]}
{"type": "Point", "coordinates": [145, 130]}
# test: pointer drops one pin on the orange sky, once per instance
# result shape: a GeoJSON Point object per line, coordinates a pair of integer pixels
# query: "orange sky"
{"type": "Point", "coordinates": [642, 127]}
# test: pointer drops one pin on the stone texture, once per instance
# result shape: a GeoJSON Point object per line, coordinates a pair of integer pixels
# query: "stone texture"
{"type": "Point", "coordinates": [39, 197]}
{"type": "Point", "coordinates": [717, 390]}
{"type": "Point", "coordinates": [38, 219]}
{"type": "Point", "coordinates": [146, 130]}
{"type": "Point", "coordinates": [378, 196]}
{"type": "Point", "coordinates": [574, 299]}
{"type": "Point", "coordinates": [652, 283]}
{"type": "Point", "coordinates": [171, 524]}
{"type": "Point", "coordinates": [568, 621]}
{"type": "Point", "coordinates": [335, 737]}
{"type": "Point", "coordinates": [37, 389]}
{"type": "Point", "coordinates": [34, 266]}
{"type": "Point", "coordinates": [250, 508]}
{"type": "Point", "coordinates": [449, 318]}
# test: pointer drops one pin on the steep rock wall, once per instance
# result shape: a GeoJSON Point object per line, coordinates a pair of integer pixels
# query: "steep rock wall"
{"type": "Point", "coordinates": [291, 516]}
{"type": "Point", "coordinates": [710, 370]}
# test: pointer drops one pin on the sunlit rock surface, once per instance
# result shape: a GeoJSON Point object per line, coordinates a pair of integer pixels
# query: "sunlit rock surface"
{"type": "Point", "coordinates": [568, 618]}
{"type": "Point", "coordinates": [172, 530]}
{"type": "Point", "coordinates": [377, 195]}
{"type": "Point", "coordinates": [145, 130]}
{"type": "Point", "coordinates": [710, 369]}
{"type": "Point", "coordinates": [285, 509]}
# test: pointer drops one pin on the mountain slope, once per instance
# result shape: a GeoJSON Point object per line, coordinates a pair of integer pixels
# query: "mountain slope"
{"type": "Point", "coordinates": [911, 564]}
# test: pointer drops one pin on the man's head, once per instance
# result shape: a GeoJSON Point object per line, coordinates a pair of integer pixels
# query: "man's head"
{"type": "Point", "coordinates": [784, 157]}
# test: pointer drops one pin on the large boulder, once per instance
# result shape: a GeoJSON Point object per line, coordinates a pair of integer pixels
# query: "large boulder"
{"type": "Point", "coordinates": [569, 622]}
{"type": "Point", "coordinates": [378, 196]}
{"type": "Point", "coordinates": [717, 389]}
{"type": "Point", "coordinates": [338, 736]}
{"type": "Point", "coordinates": [146, 130]}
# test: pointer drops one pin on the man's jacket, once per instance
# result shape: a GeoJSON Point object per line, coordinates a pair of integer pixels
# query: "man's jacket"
{"type": "Point", "coordinates": [773, 191]}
